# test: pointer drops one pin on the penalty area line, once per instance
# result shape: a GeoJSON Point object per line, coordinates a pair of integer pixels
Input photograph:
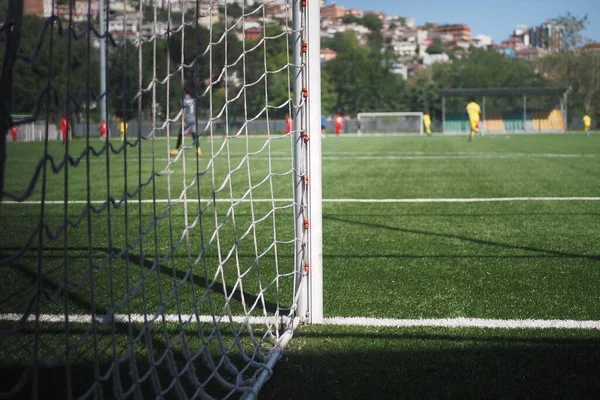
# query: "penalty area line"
{"type": "Point", "coordinates": [463, 322]}
{"type": "Point", "coordinates": [461, 200]}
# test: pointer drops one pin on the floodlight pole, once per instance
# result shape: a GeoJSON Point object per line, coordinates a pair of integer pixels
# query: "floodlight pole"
{"type": "Point", "coordinates": [443, 114]}
{"type": "Point", "coordinates": [524, 112]}
{"type": "Point", "coordinates": [483, 112]}
{"type": "Point", "coordinates": [566, 102]}
{"type": "Point", "coordinates": [103, 94]}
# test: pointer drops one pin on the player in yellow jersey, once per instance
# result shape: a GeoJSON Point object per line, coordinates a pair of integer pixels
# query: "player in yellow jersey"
{"type": "Point", "coordinates": [587, 122]}
{"type": "Point", "coordinates": [474, 112]}
{"type": "Point", "coordinates": [427, 123]}
{"type": "Point", "coordinates": [123, 125]}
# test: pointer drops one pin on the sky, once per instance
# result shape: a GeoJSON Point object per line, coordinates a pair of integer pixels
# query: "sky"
{"type": "Point", "coordinates": [496, 18]}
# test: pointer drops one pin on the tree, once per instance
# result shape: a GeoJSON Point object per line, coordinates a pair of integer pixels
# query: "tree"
{"type": "Point", "coordinates": [361, 79]}
{"type": "Point", "coordinates": [328, 94]}
{"type": "Point", "coordinates": [3, 11]}
{"type": "Point", "coordinates": [233, 10]}
{"type": "Point", "coordinates": [422, 93]}
{"type": "Point", "coordinates": [572, 30]}
{"type": "Point", "coordinates": [266, 88]}
{"type": "Point", "coordinates": [71, 70]}
{"type": "Point", "coordinates": [351, 19]}
{"type": "Point", "coordinates": [436, 47]}
{"type": "Point", "coordinates": [372, 22]}
{"type": "Point", "coordinates": [580, 71]}
{"type": "Point", "coordinates": [486, 68]}
{"type": "Point", "coordinates": [573, 67]}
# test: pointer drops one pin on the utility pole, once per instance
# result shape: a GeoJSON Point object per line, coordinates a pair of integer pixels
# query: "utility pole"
{"type": "Point", "coordinates": [103, 93]}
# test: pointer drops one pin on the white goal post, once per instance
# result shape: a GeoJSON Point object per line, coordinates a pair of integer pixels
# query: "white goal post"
{"type": "Point", "coordinates": [389, 123]}
{"type": "Point", "coordinates": [36, 132]}
{"type": "Point", "coordinates": [33, 131]}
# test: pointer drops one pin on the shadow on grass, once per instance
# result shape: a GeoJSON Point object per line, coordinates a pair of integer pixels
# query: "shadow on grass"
{"type": "Point", "coordinates": [366, 363]}
{"type": "Point", "coordinates": [160, 366]}
{"type": "Point", "coordinates": [215, 287]}
{"type": "Point", "coordinates": [553, 253]}
{"type": "Point", "coordinates": [432, 366]}
{"type": "Point", "coordinates": [167, 379]}
{"type": "Point", "coordinates": [162, 369]}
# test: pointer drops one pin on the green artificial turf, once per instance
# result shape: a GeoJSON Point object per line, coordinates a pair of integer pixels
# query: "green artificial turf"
{"type": "Point", "coordinates": [400, 241]}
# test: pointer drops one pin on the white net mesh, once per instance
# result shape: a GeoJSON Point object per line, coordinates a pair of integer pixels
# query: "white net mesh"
{"type": "Point", "coordinates": [134, 266]}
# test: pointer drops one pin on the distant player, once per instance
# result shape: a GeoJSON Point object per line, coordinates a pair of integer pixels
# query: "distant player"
{"type": "Point", "coordinates": [188, 106]}
{"type": "Point", "coordinates": [474, 112]}
{"type": "Point", "coordinates": [587, 122]}
{"type": "Point", "coordinates": [338, 122]}
{"type": "Point", "coordinates": [427, 123]}
{"type": "Point", "coordinates": [288, 123]}
{"type": "Point", "coordinates": [65, 129]}
{"type": "Point", "coordinates": [123, 125]}
{"type": "Point", "coordinates": [102, 129]}
{"type": "Point", "coordinates": [13, 133]}
{"type": "Point", "coordinates": [323, 125]}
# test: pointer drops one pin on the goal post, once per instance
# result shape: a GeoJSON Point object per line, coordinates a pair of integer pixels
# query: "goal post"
{"type": "Point", "coordinates": [315, 192]}
{"type": "Point", "coordinates": [390, 123]}
{"type": "Point", "coordinates": [174, 255]}
{"type": "Point", "coordinates": [29, 130]}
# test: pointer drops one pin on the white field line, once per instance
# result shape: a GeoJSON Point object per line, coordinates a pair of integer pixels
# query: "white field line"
{"type": "Point", "coordinates": [461, 322]}
{"type": "Point", "coordinates": [461, 157]}
{"type": "Point", "coordinates": [132, 201]}
{"type": "Point", "coordinates": [467, 200]}
{"type": "Point", "coordinates": [439, 200]}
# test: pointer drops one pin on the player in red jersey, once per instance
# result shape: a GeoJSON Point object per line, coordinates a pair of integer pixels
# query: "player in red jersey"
{"type": "Point", "coordinates": [102, 129]}
{"type": "Point", "coordinates": [65, 129]}
{"type": "Point", "coordinates": [13, 133]}
{"type": "Point", "coordinates": [338, 122]}
{"type": "Point", "coordinates": [288, 123]}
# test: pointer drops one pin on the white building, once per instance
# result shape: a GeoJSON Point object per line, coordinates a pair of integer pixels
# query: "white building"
{"type": "Point", "coordinates": [482, 41]}
{"type": "Point", "coordinates": [405, 48]}
{"type": "Point", "coordinates": [359, 29]}
{"type": "Point", "coordinates": [150, 29]}
{"type": "Point", "coordinates": [520, 30]}
{"type": "Point", "coordinates": [400, 69]}
{"type": "Point", "coordinates": [429, 59]}
{"type": "Point", "coordinates": [123, 25]}
{"type": "Point", "coordinates": [422, 39]}
{"type": "Point", "coordinates": [251, 25]}
{"type": "Point", "coordinates": [120, 6]}
{"type": "Point", "coordinates": [444, 37]}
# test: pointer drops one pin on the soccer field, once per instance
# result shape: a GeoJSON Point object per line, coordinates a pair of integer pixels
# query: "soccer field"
{"type": "Point", "coordinates": [452, 269]}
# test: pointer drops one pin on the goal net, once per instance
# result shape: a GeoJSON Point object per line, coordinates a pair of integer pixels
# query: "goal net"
{"type": "Point", "coordinates": [163, 249]}
{"type": "Point", "coordinates": [390, 123]}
